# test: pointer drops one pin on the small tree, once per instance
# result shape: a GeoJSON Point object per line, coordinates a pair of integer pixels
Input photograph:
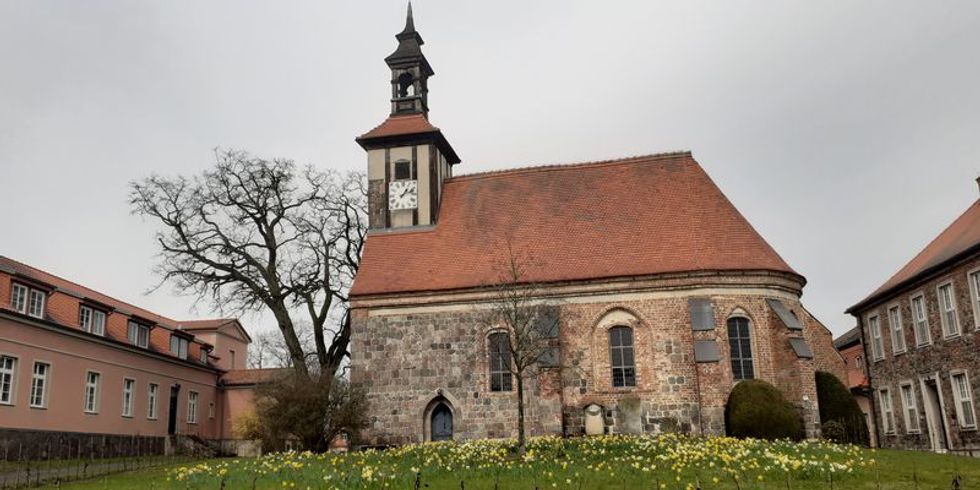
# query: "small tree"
{"type": "Point", "coordinates": [309, 408]}
{"type": "Point", "coordinates": [519, 308]}
{"type": "Point", "coordinates": [840, 414]}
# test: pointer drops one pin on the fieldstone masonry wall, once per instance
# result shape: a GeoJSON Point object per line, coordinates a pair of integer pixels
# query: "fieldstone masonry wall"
{"type": "Point", "coordinates": [939, 358]}
{"type": "Point", "coordinates": [406, 356]}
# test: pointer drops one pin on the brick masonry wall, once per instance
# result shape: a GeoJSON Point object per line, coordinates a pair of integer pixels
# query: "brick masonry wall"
{"type": "Point", "coordinates": [940, 357]}
{"type": "Point", "coordinates": [408, 360]}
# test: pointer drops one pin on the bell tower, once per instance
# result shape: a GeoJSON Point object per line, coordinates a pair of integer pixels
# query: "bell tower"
{"type": "Point", "coordinates": [408, 157]}
{"type": "Point", "coordinates": [410, 72]}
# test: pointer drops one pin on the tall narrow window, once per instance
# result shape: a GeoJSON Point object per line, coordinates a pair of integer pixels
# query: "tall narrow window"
{"type": "Point", "coordinates": [500, 361]}
{"type": "Point", "coordinates": [39, 385]}
{"type": "Point", "coordinates": [964, 401]}
{"type": "Point", "coordinates": [621, 351]}
{"type": "Point", "coordinates": [92, 392]}
{"type": "Point", "coordinates": [898, 333]}
{"type": "Point", "coordinates": [210, 410]}
{"type": "Point", "coordinates": [139, 334]}
{"type": "Point", "coordinates": [975, 297]}
{"type": "Point", "coordinates": [178, 346]}
{"type": "Point", "coordinates": [231, 355]}
{"type": "Point", "coordinates": [18, 298]}
{"type": "Point", "coordinates": [947, 310]}
{"type": "Point", "coordinates": [91, 320]}
{"type": "Point", "coordinates": [191, 407]}
{"type": "Point", "coordinates": [921, 320]}
{"type": "Point", "coordinates": [35, 306]}
{"type": "Point", "coordinates": [877, 345]}
{"type": "Point", "coordinates": [129, 386]}
{"type": "Point", "coordinates": [910, 409]}
{"type": "Point", "coordinates": [740, 346]}
{"type": "Point", "coordinates": [887, 414]}
{"type": "Point", "coordinates": [151, 401]}
{"type": "Point", "coordinates": [8, 368]}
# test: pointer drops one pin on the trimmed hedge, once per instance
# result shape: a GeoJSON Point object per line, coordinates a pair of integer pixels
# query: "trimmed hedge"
{"type": "Point", "coordinates": [840, 411]}
{"type": "Point", "coordinates": [757, 409]}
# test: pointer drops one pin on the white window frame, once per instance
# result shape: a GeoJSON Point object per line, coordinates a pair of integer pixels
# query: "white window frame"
{"type": "Point", "coordinates": [42, 298]}
{"type": "Point", "coordinates": [93, 392]}
{"type": "Point", "coordinates": [8, 397]}
{"type": "Point", "coordinates": [92, 320]}
{"type": "Point", "coordinates": [19, 294]}
{"type": "Point", "coordinates": [959, 399]}
{"type": "Point", "coordinates": [128, 397]}
{"type": "Point", "coordinates": [896, 329]}
{"type": "Point", "coordinates": [887, 411]}
{"type": "Point", "coordinates": [192, 399]}
{"type": "Point", "coordinates": [135, 332]}
{"type": "Point", "coordinates": [152, 394]}
{"type": "Point", "coordinates": [204, 355]}
{"type": "Point", "coordinates": [36, 400]}
{"type": "Point", "coordinates": [919, 341]}
{"type": "Point", "coordinates": [877, 342]}
{"type": "Point", "coordinates": [179, 346]}
{"type": "Point", "coordinates": [943, 311]}
{"type": "Point", "coordinates": [973, 278]}
{"type": "Point", "coordinates": [910, 407]}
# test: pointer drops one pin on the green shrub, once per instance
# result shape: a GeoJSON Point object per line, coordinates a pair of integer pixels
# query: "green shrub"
{"type": "Point", "coordinates": [757, 409]}
{"type": "Point", "coordinates": [838, 405]}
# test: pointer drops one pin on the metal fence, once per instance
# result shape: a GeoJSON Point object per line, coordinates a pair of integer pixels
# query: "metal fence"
{"type": "Point", "coordinates": [29, 459]}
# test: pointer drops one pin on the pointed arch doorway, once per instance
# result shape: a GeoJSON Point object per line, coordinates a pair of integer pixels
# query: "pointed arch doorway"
{"type": "Point", "coordinates": [441, 423]}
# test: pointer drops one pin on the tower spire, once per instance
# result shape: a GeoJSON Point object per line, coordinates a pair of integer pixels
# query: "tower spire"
{"type": "Point", "coordinates": [409, 21]}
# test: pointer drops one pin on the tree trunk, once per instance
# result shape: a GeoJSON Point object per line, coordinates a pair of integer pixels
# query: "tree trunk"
{"type": "Point", "coordinates": [521, 439]}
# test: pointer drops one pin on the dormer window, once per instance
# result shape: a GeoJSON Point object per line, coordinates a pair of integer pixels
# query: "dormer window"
{"type": "Point", "coordinates": [139, 334]}
{"type": "Point", "coordinates": [91, 320]}
{"type": "Point", "coordinates": [178, 346]}
{"type": "Point", "coordinates": [204, 356]}
{"type": "Point", "coordinates": [27, 300]}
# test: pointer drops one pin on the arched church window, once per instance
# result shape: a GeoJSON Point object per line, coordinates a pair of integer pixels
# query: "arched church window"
{"type": "Point", "coordinates": [500, 362]}
{"type": "Point", "coordinates": [406, 87]}
{"type": "Point", "coordinates": [622, 359]}
{"type": "Point", "coordinates": [740, 344]}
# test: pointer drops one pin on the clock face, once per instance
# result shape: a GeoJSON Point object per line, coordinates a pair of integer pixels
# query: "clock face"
{"type": "Point", "coordinates": [403, 194]}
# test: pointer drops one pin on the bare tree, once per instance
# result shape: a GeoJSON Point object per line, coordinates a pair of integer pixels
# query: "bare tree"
{"type": "Point", "coordinates": [268, 350]}
{"type": "Point", "coordinates": [253, 234]}
{"type": "Point", "coordinates": [531, 322]}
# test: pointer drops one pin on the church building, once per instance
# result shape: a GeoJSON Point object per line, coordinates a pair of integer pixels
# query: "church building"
{"type": "Point", "coordinates": [666, 295]}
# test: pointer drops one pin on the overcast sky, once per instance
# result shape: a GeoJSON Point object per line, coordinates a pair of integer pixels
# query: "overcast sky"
{"type": "Point", "coordinates": [848, 133]}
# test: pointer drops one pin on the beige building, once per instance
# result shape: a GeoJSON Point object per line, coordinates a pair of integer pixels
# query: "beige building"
{"type": "Point", "coordinates": [664, 295]}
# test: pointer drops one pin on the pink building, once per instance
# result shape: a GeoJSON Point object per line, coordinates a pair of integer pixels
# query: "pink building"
{"type": "Point", "coordinates": [76, 364]}
{"type": "Point", "coordinates": [852, 350]}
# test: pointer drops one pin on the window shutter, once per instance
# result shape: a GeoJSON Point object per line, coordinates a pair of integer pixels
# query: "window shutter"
{"type": "Point", "coordinates": [702, 313]}
{"type": "Point", "coordinates": [784, 314]}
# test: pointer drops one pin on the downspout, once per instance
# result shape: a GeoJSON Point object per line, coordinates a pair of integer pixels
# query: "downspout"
{"type": "Point", "coordinates": [872, 400]}
{"type": "Point", "coordinates": [697, 382]}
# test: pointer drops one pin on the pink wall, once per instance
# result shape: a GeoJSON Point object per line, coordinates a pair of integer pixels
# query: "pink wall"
{"type": "Point", "coordinates": [238, 400]}
{"type": "Point", "coordinates": [71, 355]}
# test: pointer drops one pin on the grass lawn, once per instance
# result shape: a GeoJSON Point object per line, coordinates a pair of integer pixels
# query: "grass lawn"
{"type": "Point", "coordinates": [613, 462]}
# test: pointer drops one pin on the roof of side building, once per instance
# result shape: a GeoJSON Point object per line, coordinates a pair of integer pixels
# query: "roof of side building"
{"type": "Point", "coordinates": [960, 238]}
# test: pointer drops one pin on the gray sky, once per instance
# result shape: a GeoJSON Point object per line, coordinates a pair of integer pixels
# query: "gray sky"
{"type": "Point", "coordinates": [846, 132]}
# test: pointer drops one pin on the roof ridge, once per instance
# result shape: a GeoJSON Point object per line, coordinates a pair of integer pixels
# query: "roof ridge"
{"type": "Point", "coordinates": [73, 283]}
{"type": "Point", "coordinates": [567, 166]}
{"type": "Point", "coordinates": [176, 323]}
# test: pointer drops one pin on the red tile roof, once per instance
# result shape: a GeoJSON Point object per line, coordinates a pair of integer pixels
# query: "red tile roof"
{"type": "Point", "coordinates": [962, 236]}
{"type": "Point", "coordinates": [251, 376]}
{"type": "Point", "coordinates": [399, 125]}
{"type": "Point", "coordinates": [64, 309]}
{"type": "Point", "coordinates": [620, 218]}
{"type": "Point", "coordinates": [206, 324]}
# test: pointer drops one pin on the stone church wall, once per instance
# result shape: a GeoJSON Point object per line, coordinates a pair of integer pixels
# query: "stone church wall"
{"type": "Point", "coordinates": [409, 356]}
